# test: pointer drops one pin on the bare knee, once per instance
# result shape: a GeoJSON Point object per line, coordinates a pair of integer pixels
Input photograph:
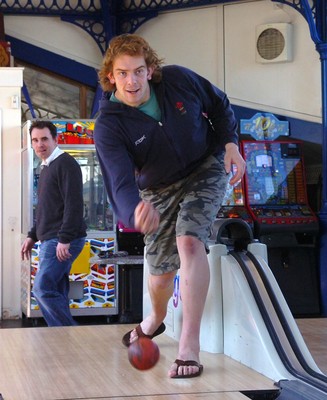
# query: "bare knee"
{"type": "Point", "coordinates": [189, 245]}
{"type": "Point", "coordinates": [162, 282]}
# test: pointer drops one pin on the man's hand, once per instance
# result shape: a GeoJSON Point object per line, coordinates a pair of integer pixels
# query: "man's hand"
{"type": "Point", "coordinates": [26, 249]}
{"type": "Point", "coordinates": [62, 251]}
{"type": "Point", "coordinates": [146, 218]}
{"type": "Point", "coordinates": [233, 156]}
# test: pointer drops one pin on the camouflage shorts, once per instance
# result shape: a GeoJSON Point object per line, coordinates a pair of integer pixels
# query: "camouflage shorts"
{"type": "Point", "coordinates": [186, 207]}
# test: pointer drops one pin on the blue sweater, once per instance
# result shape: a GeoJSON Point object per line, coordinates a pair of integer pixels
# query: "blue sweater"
{"type": "Point", "coordinates": [137, 152]}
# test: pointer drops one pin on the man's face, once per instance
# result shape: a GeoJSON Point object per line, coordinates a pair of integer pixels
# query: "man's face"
{"type": "Point", "coordinates": [131, 77]}
{"type": "Point", "coordinates": [43, 143]}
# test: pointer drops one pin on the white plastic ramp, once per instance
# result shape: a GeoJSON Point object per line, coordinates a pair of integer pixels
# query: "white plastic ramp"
{"type": "Point", "coordinates": [232, 323]}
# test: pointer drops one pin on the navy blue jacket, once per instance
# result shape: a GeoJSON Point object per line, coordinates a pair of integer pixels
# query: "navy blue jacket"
{"type": "Point", "coordinates": [136, 152]}
{"type": "Point", "coordinates": [60, 207]}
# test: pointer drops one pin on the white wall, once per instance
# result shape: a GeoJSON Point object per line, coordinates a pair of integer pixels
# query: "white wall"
{"type": "Point", "coordinates": [192, 38]}
{"type": "Point", "coordinates": [11, 81]}
{"type": "Point", "coordinates": [52, 34]}
{"type": "Point", "coordinates": [287, 88]}
{"type": "Point", "coordinates": [219, 43]}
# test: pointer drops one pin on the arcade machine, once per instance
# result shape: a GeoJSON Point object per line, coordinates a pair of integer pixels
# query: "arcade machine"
{"type": "Point", "coordinates": [93, 286]}
{"type": "Point", "coordinates": [276, 199]}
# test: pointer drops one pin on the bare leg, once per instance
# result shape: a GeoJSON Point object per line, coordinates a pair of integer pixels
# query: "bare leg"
{"type": "Point", "coordinates": [160, 289]}
{"type": "Point", "coordinates": [194, 283]}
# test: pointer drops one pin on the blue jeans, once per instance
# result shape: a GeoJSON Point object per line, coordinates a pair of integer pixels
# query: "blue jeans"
{"type": "Point", "coordinates": [51, 284]}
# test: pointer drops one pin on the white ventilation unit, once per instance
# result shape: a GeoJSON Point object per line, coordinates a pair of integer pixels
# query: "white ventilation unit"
{"type": "Point", "coordinates": [273, 43]}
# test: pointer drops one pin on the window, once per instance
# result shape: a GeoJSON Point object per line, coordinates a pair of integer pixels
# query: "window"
{"type": "Point", "coordinates": [54, 96]}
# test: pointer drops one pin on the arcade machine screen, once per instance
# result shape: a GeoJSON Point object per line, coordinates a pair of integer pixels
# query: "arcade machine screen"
{"type": "Point", "coordinates": [233, 204]}
{"type": "Point", "coordinates": [275, 187]}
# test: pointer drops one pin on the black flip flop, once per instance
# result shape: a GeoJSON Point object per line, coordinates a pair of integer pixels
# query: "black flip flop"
{"type": "Point", "coordinates": [126, 338]}
{"type": "Point", "coordinates": [181, 363]}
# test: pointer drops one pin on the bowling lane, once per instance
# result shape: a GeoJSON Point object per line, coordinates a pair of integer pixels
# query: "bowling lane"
{"type": "Point", "coordinates": [90, 362]}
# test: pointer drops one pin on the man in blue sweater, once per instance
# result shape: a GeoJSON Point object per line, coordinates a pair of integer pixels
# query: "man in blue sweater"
{"type": "Point", "coordinates": [166, 141]}
{"type": "Point", "coordinates": [59, 224]}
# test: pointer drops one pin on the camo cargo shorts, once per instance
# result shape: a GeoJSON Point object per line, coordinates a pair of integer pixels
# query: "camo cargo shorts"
{"type": "Point", "coordinates": [187, 207]}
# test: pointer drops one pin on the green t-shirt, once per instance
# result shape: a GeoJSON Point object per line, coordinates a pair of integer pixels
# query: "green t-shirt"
{"type": "Point", "coordinates": [150, 107]}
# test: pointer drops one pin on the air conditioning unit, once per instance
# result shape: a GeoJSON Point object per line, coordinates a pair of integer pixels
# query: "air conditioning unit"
{"type": "Point", "coordinates": [273, 43]}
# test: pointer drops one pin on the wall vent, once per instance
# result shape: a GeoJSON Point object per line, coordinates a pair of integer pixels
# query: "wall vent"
{"type": "Point", "coordinates": [273, 43]}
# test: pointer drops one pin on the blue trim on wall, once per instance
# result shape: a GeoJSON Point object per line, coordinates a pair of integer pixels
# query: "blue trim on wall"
{"type": "Point", "coordinates": [299, 129]}
{"type": "Point", "coordinates": [53, 62]}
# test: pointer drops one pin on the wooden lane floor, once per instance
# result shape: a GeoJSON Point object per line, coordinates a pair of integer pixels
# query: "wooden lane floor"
{"type": "Point", "coordinates": [314, 332]}
{"type": "Point", "coordinates": [90, 362]}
